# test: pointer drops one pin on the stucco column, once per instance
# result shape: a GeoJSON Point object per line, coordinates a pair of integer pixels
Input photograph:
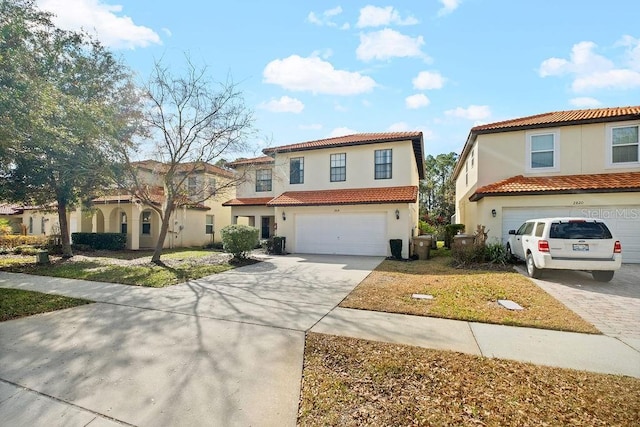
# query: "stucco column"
{"type": "Point", "coordinates": [134, 227]}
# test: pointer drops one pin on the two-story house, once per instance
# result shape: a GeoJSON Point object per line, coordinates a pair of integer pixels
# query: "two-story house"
{"type": "Point", "coordinates": [568, 163]}
{"type": "Point", "coordinates": [346, 195]}
{"type": "Point", "coordinates": [192, 223]}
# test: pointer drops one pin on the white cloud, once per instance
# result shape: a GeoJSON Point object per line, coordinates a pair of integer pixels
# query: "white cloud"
{"type": "Point", "coordinates": [341, 131]}
{"type": "Point", "coordinates": [314, 75]}
{"type": "Point", "coordinates": [312, 126]}
{"type": "Point", "coordinates": [325, 18]}
{"type": "Point", "coordinates": [428, 80]}
{"type": "Point", "coordinates": [283, 105]}
{"type": "Point", "coordinates": [372, 16]}
{"type": "Point", "coordinates": [418, 100]}
{"type": "Point", "coordinates": [591, 71]}
{"type": "Point", "coordinates": [448, 6]}
{"type": "Point", "coordinates": [585, 102]}
{"type": "Point", "coordinates": [111, 28]}
{"type": "Point", "coordinates": [473, 112]}
{"type": "Point", "coordinates": [340, 108]}
{"type": "Point", "coordinates": [387, 44]}
{"type": "Point", "coordinates": [398, 127]}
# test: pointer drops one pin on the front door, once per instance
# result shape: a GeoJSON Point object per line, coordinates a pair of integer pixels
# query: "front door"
{"type": "Point", "coordinates": [265, 227]}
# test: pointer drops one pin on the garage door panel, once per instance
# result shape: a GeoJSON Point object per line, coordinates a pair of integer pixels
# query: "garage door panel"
{"type": "Point", "coordinates": [343, 234]}
{"type": "Point", "coordinates": [624, 222]}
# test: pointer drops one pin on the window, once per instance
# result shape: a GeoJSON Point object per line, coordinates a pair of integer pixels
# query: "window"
{"type": "Point", "coordinates": [542, 151]}
{"type": "Point", "coordinates": [383, 164]}
{"type": "Point", "coordinates": [263, 180]}
{"type": "Point", "coordinates": [624, 144]}
{"type": "Point", "coordinates": [525, 229]}
{"type": "Point", "coordinates": [296, 170]}
{"type": "Point", "coordinates": [212, 187]}
{"type": "Point", "coordinates": [208, 229]}
{"type": "Point", "coordinates": [146, 222]}
{"type": "Point", "coordinates": [338, 167]}
{"type": "Point", "coordinates": [466, 172]}
{"type": "Point", "coordinates": [473, 156]}
{"type": "Point", "coordinates": [192, 185]}
{"type": "Point", "coordinates": [42, 221]}
{"type": "Point", "coordinates": [123, 223]}
{"type": "Point", "coordinates": [539, 229]}
{"type": "Point", "coordinates": [30, 225]}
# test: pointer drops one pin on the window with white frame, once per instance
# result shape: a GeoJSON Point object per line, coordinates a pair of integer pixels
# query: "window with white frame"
{"type": "Point", "coordinates": [383, 162]}
{"type": "Point", "coordinates": [624, 145]}
{"type": "Point", "coordinates": [209, 225]}
{"type": "Point", "coordinates": [473, 157]}
{"type": "Point", "coordinates": [338, 167]}
{"type": "Point", "coordinates": [146, 223]}
{"type": "Point", "coordinates": [296, 170]}
{"type": "Point", "coordinates": [192, 185]}
{"type": "Point", "coordinates": [542, 151]}
{"type": "Point", "coordinates": [263, 180]}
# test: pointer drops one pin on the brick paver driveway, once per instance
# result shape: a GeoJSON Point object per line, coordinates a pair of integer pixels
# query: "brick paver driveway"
{"type": "Point", "coordinates": [612, 307]}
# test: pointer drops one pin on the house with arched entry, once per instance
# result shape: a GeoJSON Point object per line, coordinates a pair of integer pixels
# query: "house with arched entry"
{"type": "Point", "coordinates": [191, 224]}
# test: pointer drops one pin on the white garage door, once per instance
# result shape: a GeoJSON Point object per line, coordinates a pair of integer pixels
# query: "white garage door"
{"type": "Point", "coordinates": [624, 222]}
{"type": "Point", "coordinates": [344, 234]}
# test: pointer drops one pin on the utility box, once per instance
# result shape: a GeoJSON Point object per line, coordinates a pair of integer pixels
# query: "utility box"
{"type": "Point", "coordinates": [42, 257]}
{"type": "Point", "coordinates": [422, 246]}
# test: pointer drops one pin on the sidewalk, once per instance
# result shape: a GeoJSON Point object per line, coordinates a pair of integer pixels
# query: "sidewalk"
{"type": "Point", "coordinates": [595, 353]}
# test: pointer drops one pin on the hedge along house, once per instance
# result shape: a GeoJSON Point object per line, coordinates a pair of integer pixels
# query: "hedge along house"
{"type": "Point", "coordinates": [568, 163]}
{"type": "Point", "coordinates": [191, 224]}
{"type": "Point", "coordinates": [347, 195]}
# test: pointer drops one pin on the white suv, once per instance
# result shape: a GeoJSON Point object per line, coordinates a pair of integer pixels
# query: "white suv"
{"type": "Point", "coordinates": [567, 244]}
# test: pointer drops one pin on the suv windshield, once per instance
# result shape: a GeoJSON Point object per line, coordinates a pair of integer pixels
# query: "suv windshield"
{"type": "Point", "coordinates": [579, 230]}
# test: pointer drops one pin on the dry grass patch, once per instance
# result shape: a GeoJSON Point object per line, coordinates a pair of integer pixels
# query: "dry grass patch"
{"type": "Point", "coordinates": [461, 294]}
{"type": "Point", "coordinates": [352, 382]}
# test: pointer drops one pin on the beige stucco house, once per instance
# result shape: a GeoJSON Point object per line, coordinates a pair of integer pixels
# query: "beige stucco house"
{"type": "Point", "coordinates": [193, 224]}
{"type": "Point", "coordinates": [567, 163]}
{"type": "Point", "coordinates": [346, 195]}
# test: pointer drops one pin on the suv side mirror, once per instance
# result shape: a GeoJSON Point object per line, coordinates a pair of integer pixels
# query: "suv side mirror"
{"type": "Point", "coordinates": [512, 231]}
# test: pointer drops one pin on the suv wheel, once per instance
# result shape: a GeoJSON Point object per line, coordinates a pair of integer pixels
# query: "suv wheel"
{"type": "Point", "coordinates": [532, 270]}
{"type": "Point", "coordinates": [602, 276]}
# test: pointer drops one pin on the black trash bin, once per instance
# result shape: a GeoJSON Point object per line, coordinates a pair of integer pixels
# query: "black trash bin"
{"type": "Point", "coordinates": [279, 243]}
{"type": "Point", "coordinates": [396, 248]}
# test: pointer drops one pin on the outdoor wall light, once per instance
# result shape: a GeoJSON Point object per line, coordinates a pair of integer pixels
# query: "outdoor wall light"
{"type": "Point", "coordinates": [397, 214]}
{"type": "Point", "coordinates": [493, 213]}
{"type": "Point", "coordinates": [284, 216]}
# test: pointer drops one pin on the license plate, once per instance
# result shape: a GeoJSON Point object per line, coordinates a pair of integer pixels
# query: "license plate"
{"type": "Point", "coordinates": [581, 247]}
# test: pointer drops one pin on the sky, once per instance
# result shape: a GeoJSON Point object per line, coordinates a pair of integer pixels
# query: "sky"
{"type": "Point", "coordinates": [316, 69]}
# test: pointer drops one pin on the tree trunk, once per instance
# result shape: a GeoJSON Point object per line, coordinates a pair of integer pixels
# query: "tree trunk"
{"type": "Point", "coordinates": [164, 227]}
{"type": "Point", "coordinates": [64, 230]}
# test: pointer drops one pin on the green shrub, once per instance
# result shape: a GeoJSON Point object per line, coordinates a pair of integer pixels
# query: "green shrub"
{"type": "Point", "coordinates": [239, 239]}
{"type": "Point", "coordinates": [5, 226]}
{"type": "Point", "coordinates": [451, 230]}
{"type": "Point", "coordinates": [426, 228]}
{"type": "Point", "coordinates": [465, 255]}
{"type": "Point", "coordinates": [101, 241]}
{"type": "Point", "coordinates": [25, 250]}
{"type": "Point", "coordinates": [496, 253]}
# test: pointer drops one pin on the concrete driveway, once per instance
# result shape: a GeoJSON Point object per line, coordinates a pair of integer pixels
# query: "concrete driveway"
{"type": "Point", "coordinates": [612, 307]}
{"type": "Point", "coordinates": [223, 350]}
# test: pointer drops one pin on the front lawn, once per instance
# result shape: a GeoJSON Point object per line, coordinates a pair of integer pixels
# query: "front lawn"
{"type": "Point", "coordinates": [352, 382]}
{"type": "Point", "coordinates": [129, 267]}
{"type": "Point", "coordinates": [461, 294]}
{"type": "Point", "coordinates": [16, 303]}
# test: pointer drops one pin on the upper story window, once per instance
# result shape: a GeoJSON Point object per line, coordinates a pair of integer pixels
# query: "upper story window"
{"type": "Point", "coordinates": [383, 164]}
{"type": "Point", "coordinates": [192, 185]}
{"type": "Point", "coordinates": [542, 152]}
{"type": "Point", "coordinates": [473, 157]}
{"type": "Point", "coordinates": [623, 145]}
{"type": "Point", "coordinates": [296, 170]}
{"type": "Point", "coordinates": [263, 180]}
{"type": "Point", "coordinates": [338, 167]}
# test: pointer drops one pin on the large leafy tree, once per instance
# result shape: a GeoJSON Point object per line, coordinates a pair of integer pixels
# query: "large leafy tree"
{"type": "Point", "coordinates": [194, 122]}
{"type": "Point", "coordinates": [65, 104]}
{"type": "Point", "coordinates": [438, 188]}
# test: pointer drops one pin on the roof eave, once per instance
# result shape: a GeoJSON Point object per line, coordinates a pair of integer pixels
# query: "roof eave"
{"type": "Point", "coordinates": [477, 196]}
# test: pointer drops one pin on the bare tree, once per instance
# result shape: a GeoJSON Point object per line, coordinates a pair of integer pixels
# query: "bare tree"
{"type": "Point", "coordinates": [194, 122]}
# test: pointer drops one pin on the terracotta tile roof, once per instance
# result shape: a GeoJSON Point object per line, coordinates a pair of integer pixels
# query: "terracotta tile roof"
{"type": "Point", "coordinates": [6, 209]}
{"type": "Point", "coordinates": [253, 161]}
{"type": "Point", "coordinates": [352, 196]}
{"type": "Point", "coordinates": [563, 184]}
{"type": "Point", "coordinates": [195, 166]}
{"type": "Point", "coordinates": [594, 115]}
{"type": "Point", "coordinates": [248, 201]}
{"type": "Point", "coordinates": [355, 139]}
